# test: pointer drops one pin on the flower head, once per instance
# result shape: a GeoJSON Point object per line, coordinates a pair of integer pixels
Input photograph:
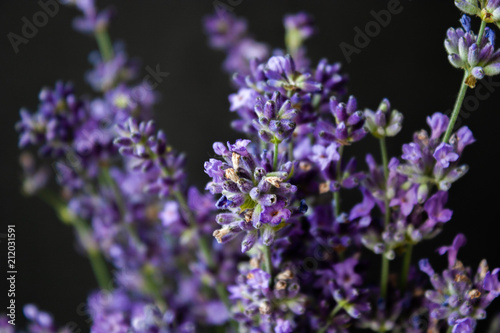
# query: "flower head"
{"type": "Point", "coordinates": [478, 58]}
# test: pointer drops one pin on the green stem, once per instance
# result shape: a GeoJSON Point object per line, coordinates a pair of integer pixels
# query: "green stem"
{"type": "Point", "coordinates": [104, 43]}
{"type": "Point", "coordinates": [384, 277]}
{"type": "Point", "coordinates": [204, 244]}
{"type": "Point", "coordinates": [275, 158]}
{"type": "Point", "coordinates": [406, 266]}
{"type": "Point", "coordinates": [385, 162]}
{"type": "Point", "coordinates": [268, 267]}
{"type": "Point", "coordinates": [384, 274]}
{"type": "Point", "coordinates": [205, 250]}
{"type": "Point", "coordinates": [330, 317]}
{"type": "Point", "coordinates": [383, 150]}
{"type": "Point", "coordinates": [463, 90]}
{"type": "Point", "coordinates": [96, 260]}
{"type": "Point", "coordinates": [336, 194]}
{"type": "Point", "coordinates": [152, 287]}
{"type": "Point", "coordinates": [100, 270]}
{"type": "Point", "coordinates": [84, 234]}
{"type": "Point", "coordinates": [481, 32]}
{"type": "Point", "coordinates": [456, 109]}
{"type": "Point", "coordinates": [450, 329]}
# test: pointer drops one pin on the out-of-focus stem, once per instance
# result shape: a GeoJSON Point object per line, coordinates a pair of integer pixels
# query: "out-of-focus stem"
{"type": "Point", "coordinates": [384, 277]}
{"type": "Point", "coordinates": [104, 43]}
{"type": "Point", "coordinates": [406, 266]}
{"type": "Point", "coordinates": [152, 287]}
{"type": "Point", "coordinates": [335, 310]}
{"type": "Point", "coordinates": [84, 234]}
{"type": "Point", "coordinates": [268, 267]}
{"type": "Point", "coordinates": [336, 194]}
{"type": "Point", "coordinates": [275, 157]}
{"type": "Point", "coordinates": [385, 165]}
{"type": "Point", "coordinates": [384, 274]}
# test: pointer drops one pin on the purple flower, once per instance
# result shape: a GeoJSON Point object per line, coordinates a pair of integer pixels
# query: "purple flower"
{"type": "Point", "coordinates": [283, 326]}
{"type": "Point", "coordinates": [459, 297]}
{"type": "Point", "coordinates": [411, 152]}
{"type": "Point", "coordinates": [384, 122]}
{"type": "Point", "coordinates": [349, 123]}
{"type": "Point", "coordinates": [445, 154]}
{"type": "Point", "coordinates": [301, 23]}
{"type": "Point", "coordinates": [275, 214]}
{"type": "Point", "coordinates": [435, 207]}
{"type": "Point", "coordinates": [463, 138]}
{"type": "Point", "coordinates": [282, 75]}
{"type": "Point", "coordinates": [258, 279]}
{"type": "Point", "coordinates": [438, 123]}
{"type": "Point", "coordinates": [245, 98]}
{"type": "Point", "coordinates": [171, 218]}
{"type": "Point", "coordinates": [477, 58]}
{"type": "Point", "coordinates": [276, 118]}
{"type": "Point", "coordinates": [92, 21]}
{"type": "Point", "coordinates": [464, 325]}
{"type": "Point", "coordinates": [333, 82]}
{"type": "Point", "coordinates": [345, 276]}
{"type": "Point", "coordinates": [107, 74]}
{"type": "Point", "coordinates": [224, 29]}
{"type": "Point", "coordinates": [323, 156]}
{"type": "Point", "coordinates": [452, 250]}
{"type": "Point", "coordinates": [228, 33]}
{"type": "Point", "coordinates": [254, 193]}
{"type": "Point", "coordinates": [240, 147]}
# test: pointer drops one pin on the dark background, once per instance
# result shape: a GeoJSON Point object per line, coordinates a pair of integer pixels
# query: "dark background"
{"type": "Point", "coordinates": [405, 62]}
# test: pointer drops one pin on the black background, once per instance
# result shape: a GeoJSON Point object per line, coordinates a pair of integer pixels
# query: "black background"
{"type": "Point", "coordinates": [405, 62]}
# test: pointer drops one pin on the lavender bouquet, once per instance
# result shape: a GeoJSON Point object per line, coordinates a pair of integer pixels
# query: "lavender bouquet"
{"type": "Point", "coordinates": [291, 233]}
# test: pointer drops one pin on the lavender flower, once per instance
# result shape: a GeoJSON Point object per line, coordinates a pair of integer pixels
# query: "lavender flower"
{"type": "Point", "coordinates": [333, 82]}
{"type": "Point", "coordinates": [52, 127]}
{"type": "Point", "coordinates": [283, 76]}
{"type": "Point", "coordinates": [259, 304]}
{"type": "Point", "coordinates": [92, 20]}
{"type": "Point", "coordinates": [299, 27]}
{"type": "Point", "coordinates": [107, 74]}
{"type": "Point", "coordinates": [228, 33]}
{"type": "Point", "coordinates": [150, 153]}
{"type": "Point", "coordinates": [383, 122]}
{"type": "Point", "coordinates": [256, 196]}
{"type": "Point", "coordinates": [488, 11]}
{"type": "Point", "coordinates": [459, 297]}
{"type": "Point", "coordinates": [349, 123]}
{"type": "Point", "coordinates": [275, 119]}
{"type": "Point", "coordinates": [430, 161]}
{"type": "Point", "coordinates": [477, 58]}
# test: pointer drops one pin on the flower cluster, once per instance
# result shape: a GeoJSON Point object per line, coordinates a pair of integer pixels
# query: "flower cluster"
{"type": "Point", "coordinates": [278, 242]}
{"type": "Point", "coordinates": [487, 10]}
{"type": "Point", "coordinates": [459, 296]}
{"type": "Point", "coordinates": [258, 197]}
{"type": "Point", "coordinates": [272, 306]}
{"type": "Point", "coordinates": [476, 55]}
